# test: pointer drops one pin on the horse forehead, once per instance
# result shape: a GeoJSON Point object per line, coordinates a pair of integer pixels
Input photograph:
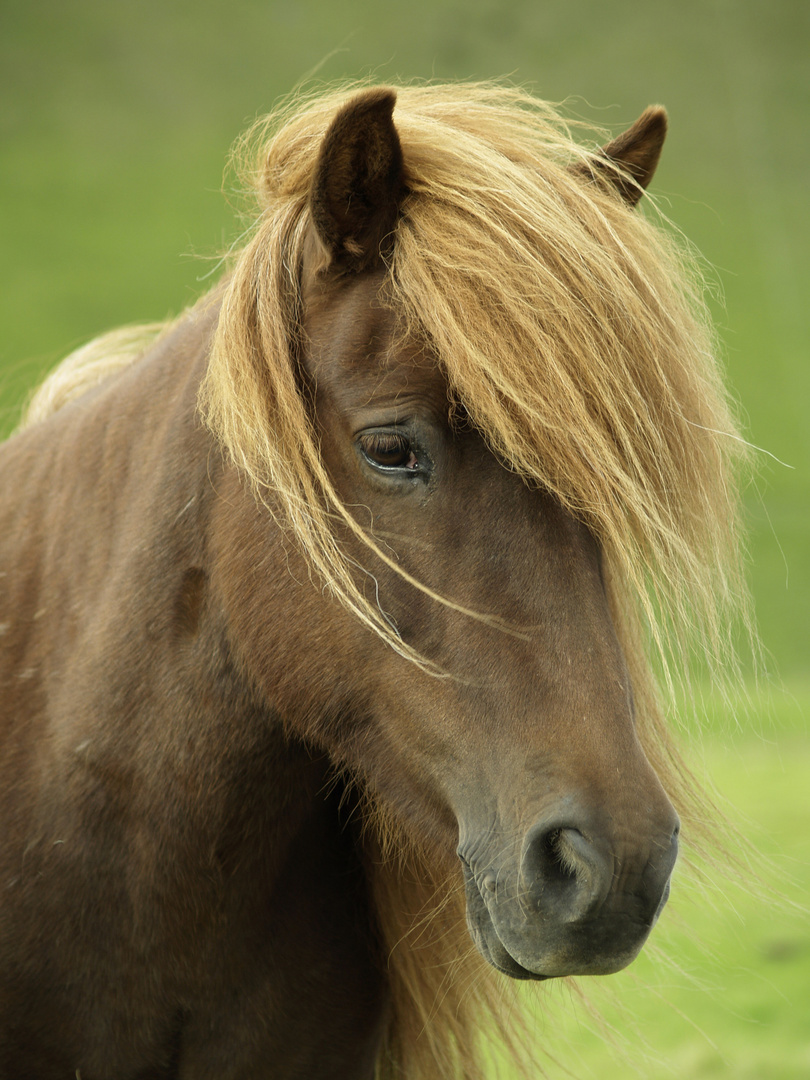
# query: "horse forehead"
{"type": "Point", "coordinates": [356, 351]}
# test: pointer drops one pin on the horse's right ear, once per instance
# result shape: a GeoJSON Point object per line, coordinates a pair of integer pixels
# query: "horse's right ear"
{"type": "Point", "coordinates": [636, 152]}
{"type": "Point", "coordinates": [359, 183]}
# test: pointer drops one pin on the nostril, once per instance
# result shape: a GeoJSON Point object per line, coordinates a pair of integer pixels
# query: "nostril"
{"type": "Point", "coordinates": [558, 856]}
{"type": "Point", "coordinates": [565, 874]}
{"type": "Point", "coordinates": [659, 869]}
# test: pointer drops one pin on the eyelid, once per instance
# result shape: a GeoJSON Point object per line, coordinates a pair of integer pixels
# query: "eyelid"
{"type": "Point", "coordinates": [386, 439]}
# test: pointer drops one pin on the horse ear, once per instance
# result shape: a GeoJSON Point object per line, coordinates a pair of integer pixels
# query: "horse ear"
{"type": "Point", "coordinates": [636, 152]}
{"type": "Point", "coordinates": [359, 182]}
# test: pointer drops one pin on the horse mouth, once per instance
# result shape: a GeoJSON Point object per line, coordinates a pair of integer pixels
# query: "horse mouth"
{"type": "Point", "coordinates": [603, 947]}
{"type": "Point", "coordinates": [495, 952]}
{"type": "Point", "coordinates": [485, 936]}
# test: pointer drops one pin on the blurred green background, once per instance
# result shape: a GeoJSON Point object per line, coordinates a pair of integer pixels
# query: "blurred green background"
{"type": "Point", "coordinates": [115, 124]}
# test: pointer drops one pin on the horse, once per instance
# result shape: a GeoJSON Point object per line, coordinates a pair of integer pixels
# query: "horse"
{"type": "Point", "coordinates": [331, 612]}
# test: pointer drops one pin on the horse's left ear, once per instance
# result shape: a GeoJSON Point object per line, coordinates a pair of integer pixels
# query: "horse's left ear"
{"type": "Point", "coordinates": [636, 152]}
{"type": "Point", "coordinates": [359, 182]}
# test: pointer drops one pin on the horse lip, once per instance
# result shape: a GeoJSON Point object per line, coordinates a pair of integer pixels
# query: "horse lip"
{"type": "Point", "coordinates": [505, 964]}
{"type": "Point", "coordinates": [516, 972]}
{"type": "Point", "coordinates": [484, 934]}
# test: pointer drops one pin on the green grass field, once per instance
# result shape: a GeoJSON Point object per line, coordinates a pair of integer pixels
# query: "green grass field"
{"type": "Point", "coordinates": [114, 129]}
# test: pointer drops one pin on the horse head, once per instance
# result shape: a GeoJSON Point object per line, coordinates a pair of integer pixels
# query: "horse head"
{"type": "Point", "coordinates": [512, 738]}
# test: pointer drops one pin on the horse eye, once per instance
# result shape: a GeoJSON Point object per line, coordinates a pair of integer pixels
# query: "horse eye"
{"type": "Point", "coordinates": [389, 450]}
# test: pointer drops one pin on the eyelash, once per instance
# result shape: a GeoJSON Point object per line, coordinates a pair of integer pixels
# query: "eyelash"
{"type": "Point", "coordinates": [389, 450]}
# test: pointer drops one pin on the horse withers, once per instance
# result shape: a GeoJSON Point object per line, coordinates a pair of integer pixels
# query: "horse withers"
{"type": "Point", "coordinates": [321, 616]}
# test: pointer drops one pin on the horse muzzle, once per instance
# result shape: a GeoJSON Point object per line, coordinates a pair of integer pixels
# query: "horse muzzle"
{"type": "Point", "coordinates": [576, 903]}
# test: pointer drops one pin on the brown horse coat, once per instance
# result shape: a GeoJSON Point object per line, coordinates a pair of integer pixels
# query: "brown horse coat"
{"type": "Point", "coordinates": [207, 758]}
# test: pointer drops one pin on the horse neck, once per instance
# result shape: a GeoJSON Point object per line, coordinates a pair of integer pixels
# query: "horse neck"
{"type": "Point", "coordinates": [109, 510]}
